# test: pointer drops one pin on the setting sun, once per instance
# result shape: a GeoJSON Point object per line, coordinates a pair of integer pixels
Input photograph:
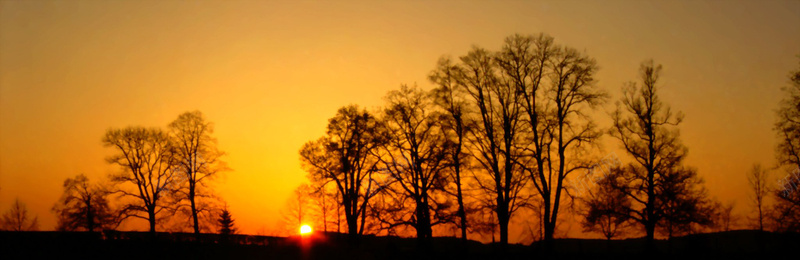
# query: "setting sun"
{"type": "Point", "coordinates": [305, 230]}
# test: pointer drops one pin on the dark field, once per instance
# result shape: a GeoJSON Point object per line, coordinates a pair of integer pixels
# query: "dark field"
{"type": "Point", "coordinates": [139, 245]}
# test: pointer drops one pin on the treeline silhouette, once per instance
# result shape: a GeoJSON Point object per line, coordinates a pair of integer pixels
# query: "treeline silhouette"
{"type": "Point", "coordinates": [163, 178]}
{"type": "Point", "coordinates": [502, 135]}
{"type": "Point", "coordinates": [513, 130]}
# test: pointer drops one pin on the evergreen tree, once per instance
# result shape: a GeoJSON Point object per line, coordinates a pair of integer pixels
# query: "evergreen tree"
{"type": "Point", "coordinates": [226, 225]}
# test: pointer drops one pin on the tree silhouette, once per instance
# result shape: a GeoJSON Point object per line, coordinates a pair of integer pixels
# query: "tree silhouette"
{"type": "Point", "coordinates": [455, 125]}
{"type": "Point", "coordinates": [197, 158]}
{"type": "Point", "coordinates": [557, 85]}
{"type": "Point", "coordinates": [346, 157]}
{"type": "Point", "coordinates": [325, 207]}
{"type": "Point", "coordinates": [83, 206]}
{"type": "Point", "coordinates": [725, 218]}
{"type": "Point", "coordinates": [18, 219]}
{"type": "Point", "coordinates": [757, 178]}
{"type": "Point", "coordinates": [787, 205]}
{"type": "Point", "coordinates": [297, 208]}
{"type": "Point", "coordinates": [225, 223]}
{"type": "Point", "coordinates": [148, 163]}
{"type": "Point", "coordinates": [786, 210]}
{"type": "Point", "coordinates": [496, 141]}
{"type": "Point", "coordinates": [606, 207]}
{"type": "Point", "coordinates": [663, 192]}
{"type": "Point", "coordinates": [414, 157]}
{"type": "Point", "coordinates": [683, 202]}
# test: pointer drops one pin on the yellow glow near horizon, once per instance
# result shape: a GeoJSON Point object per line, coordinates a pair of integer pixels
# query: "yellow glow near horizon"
{"type": "Point", "coordinates": [305, 230]}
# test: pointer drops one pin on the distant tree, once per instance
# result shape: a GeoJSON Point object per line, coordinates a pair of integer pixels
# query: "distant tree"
{"type": "Point", "coordinates": [297, 208]}
{"type": "Point", "coordinates": [346, 157]}
{"type": "Point", "coordinates": [146, 156]}
{"type": "Point", "coordinates": [324, 206]}
{"type": "Point", "coordinates": [757, 178]}
{"type": "Point", "coordinates": [659, 186]}
{"type": "Point", "coordinates": [197, 159]}
{"type": "Point", "coordinates": [725, 218]}
{"type": "Point", "coordinates": [606, 207]}
{"type": "Point", "coordinates": [83, 206]}
{"type": "Point", "coordinates": [786, 210]}
{"type": "Point", "coordinates": [455, 125]}
{"type": "Point", "coordinates": [414, 158]}
{"type": "Point", "coordinates": [18, 219]}
{"type": "Point", "coordinates": [225, 223]}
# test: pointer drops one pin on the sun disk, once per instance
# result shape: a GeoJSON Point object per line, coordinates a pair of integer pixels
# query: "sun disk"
{"type": "Point", "coordinates": [305, 229]}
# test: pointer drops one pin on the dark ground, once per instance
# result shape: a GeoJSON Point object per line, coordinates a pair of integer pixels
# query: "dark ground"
{"type": "Point", "coordinates": [140, 245]}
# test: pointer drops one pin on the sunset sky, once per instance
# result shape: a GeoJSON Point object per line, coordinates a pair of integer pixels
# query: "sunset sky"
{"type": "Point", "coordinates": [270, 73]}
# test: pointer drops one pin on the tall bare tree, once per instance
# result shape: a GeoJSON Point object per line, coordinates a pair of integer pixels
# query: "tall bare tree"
{"type": "Point", "coordinates": [557, 85]}
{"type": "Point", "coordinates": [497, 139]}
{"type": "Point", "coordinates": [18, 219]}
{"type": "Point", "coordinates": [659, 186]}
{"type": "Point", "coordinates": [346, 156]}
{"type": "Point", "coordinates": [787, 127]}
{"type": "Point", "coordinates": [197, 157]}
{"type": "Point", "coordinates": [83, 206]}
{"type": "Point", "coordinates": [757, 178]}
{"type": "Point", "coordinates": [455, 124]}
{"type": "Point", "coordinates": [146, 156]}
{"type": "Point", "coordinates": [415, 156]}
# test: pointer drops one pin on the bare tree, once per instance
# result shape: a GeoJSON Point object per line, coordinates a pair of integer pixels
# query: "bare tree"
{"type": "Point", "coordinates": [414, 157]}
{"type": "Point", "coordinates": [787, 205]}
{"type": "Point", "coordinates": [346, 157]}
{"type": "Point", "coordinates": [656, 182]}
{"type": "Point", "coordinates": [298, 208]}
{"type": "Point", "coordinates": [83, 206]}
{"type": "Point", "coordinates": [725, 217]}
{"type": "Point", "coordinates": [757, 177]}
{"type": "Point", "coordinates": [324, 206]}
{"type": "Point", "coordinates": [497, 139]}
{"type": "Point", "coordinates": [606, 207]}
{"type": "Point", "coordinates": [682, 203]}
{"type": "Point", "coordinates": [18, 219]}
{"type": "Point", "coordinates": [197, 157]}
{"type": "Point", "coordinates": [557, 85]}
{"type": "Point", "coordinates": [786, 209]}
{"type": "Point", "coordinates": [455, 125]}
{"type": "Point", "coordinates": [146, 156]}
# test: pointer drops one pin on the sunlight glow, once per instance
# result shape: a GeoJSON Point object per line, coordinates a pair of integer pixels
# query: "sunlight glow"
{"type": "Point", "coordinates": [305, 230]}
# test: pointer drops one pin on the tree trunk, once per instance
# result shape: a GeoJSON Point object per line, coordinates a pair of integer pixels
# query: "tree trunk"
{"type": "Point", "coordinates": [352, 221]}
{"type": "Point", "coordinates": [89, 215]}
{"type": "Point", "coordinates": [462, 213]}
{"type": "Point", "coordinates": [548, 228]}
{"type": "Point", "coordinates": [151, 217]}
{"type": "Point", "coordinates": [650, 228]}
{"type": "Point", "coordinates": [194, 209]}
{"type": "Point", "coordinates": [502, 219]}
{"type": "Point", "coordinates": [423, 220]}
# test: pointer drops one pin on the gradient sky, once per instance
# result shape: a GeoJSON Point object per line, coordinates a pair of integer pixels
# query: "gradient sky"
{"type": "Point", "coordinates": [270, 73]}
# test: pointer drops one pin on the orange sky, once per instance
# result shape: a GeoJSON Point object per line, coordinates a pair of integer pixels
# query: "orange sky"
{"type": "Point", "coordinates": [270, 73]}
